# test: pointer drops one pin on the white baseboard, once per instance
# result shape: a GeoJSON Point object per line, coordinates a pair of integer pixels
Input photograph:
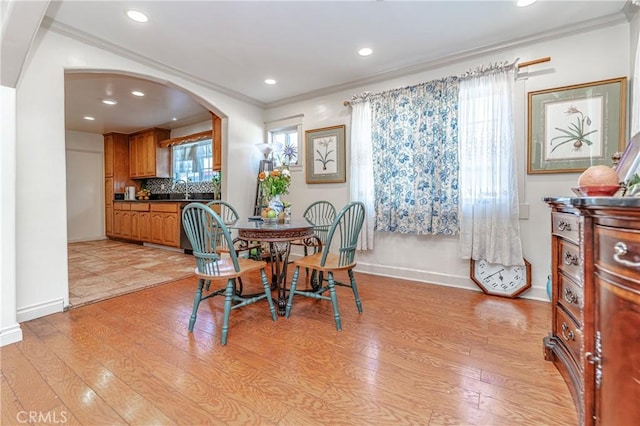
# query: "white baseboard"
{"type": "Point", "coordinates": [84, 239]}
{"type": "Point", "coordinates": [417, 275]}
{"type": "Point", "coordinates": [446, 280]}
{"type": "Point", "coordinates": [9, 335]}
{"type": "Point", "coordinates": [40, 310]}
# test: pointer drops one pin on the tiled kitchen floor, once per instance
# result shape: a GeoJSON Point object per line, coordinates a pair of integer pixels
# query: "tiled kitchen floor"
{"type": "Point", "coordinates": [102, 269]}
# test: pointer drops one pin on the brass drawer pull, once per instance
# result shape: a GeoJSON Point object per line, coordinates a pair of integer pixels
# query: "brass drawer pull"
{"type": "Point", "coordinates": [620, 249]}
{"type": "Point", "coordinates": [563, 225]}
{"type": "Point", "coordinates": [567, 333]}
{"type": "Point", "coordinates": [571, 259]}
{"type": "Point", "coordinates": [570, 296]}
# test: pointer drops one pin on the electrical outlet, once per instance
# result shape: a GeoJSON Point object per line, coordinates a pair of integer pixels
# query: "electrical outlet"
{"type": "Point", "coordinates": [162, 186]}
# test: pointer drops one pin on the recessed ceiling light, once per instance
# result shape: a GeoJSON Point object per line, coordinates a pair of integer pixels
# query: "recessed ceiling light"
{"type": "Point", "coordinates": [109, 101]}
{"type": "Point", "coordinates": [525, 3]}
{"type": "Point", "coordinates": [88, 117]}
{"type": "Point", "coordinates": [365, 51]}
{"type": "Point", "coordinates": [137, 93]}
{"type": "Point", "coordinates": [270, 81]}
{"type": "Point", "coordinates": [174, 119]}
{"type": "Point", "coordinates": [137, 16]}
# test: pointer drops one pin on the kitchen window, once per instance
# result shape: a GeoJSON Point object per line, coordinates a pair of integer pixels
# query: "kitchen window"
{"type": "Point", "coordinates": [193, 162]}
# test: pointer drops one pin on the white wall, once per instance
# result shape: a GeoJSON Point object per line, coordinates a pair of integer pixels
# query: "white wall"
{"type": "Point", "coordinates": [434, 259]}
{"type": "Point", "coordinates": [85, 186]}
{"type": "Point", "coordinates": [634, 109]}
{"type": "Point", "coordinates": [9, 328]}
{"type": "Point", "coordinates": [40, 160]}
{"type": "Point", "coordinates": [41, 173]}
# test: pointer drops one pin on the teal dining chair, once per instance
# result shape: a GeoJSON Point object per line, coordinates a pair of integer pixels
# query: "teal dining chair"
{"type": "Point", "coordinates": [230, 216]}
{"type": "Point", "coordinates": [205, 229]}
{"type": "Point", "coordinates": [320, 215]}
{"type": "Point", "coordinates": [345, 229]}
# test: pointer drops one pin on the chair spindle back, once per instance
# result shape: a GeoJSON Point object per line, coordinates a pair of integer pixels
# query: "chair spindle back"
{"type": "Point", "coordinates": [348, 224]}
{"type": "Point", "coordinates": [205, 230]}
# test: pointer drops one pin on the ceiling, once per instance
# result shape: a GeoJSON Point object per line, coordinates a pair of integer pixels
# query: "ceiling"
{"type": "Point", "coordinates": [309, 47]}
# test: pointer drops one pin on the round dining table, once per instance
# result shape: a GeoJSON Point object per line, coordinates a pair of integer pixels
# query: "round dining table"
{"type": "Point", "coordinates": [279, 237]}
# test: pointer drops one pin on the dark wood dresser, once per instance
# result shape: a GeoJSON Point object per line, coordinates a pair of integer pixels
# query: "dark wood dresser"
{"type": "Point", "coordinates": [595, 331]}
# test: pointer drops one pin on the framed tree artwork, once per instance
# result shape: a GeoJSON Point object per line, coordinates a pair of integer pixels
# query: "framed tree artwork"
{"type": "Point", "coordinates": [571, 128]}
{"type": "Point", "coordinates": [325, 155]}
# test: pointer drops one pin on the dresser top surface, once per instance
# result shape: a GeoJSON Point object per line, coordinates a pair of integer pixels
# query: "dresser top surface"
{"type": "Point", "coordinates": [631, 202]}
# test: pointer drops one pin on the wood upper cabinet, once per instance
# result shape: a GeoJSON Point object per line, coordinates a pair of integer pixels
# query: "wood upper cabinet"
{"type": "Point", "coordinates": [108, 155]}
{"type": "Point", "coordinates": [146, 157]}
{"type": "Point", "coordinates": [217, 143]}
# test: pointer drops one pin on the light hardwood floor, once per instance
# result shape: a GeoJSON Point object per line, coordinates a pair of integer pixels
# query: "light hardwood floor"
{"type": "Point", "coordinates": [419, 354]}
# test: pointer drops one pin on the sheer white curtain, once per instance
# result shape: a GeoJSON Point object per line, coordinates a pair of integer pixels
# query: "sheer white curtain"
{"type": "Point", "coordinates": [635, 94]}
{"type": "Point", "coordinates": [488, 208]}
{"type": "Point", "coordinates": [361, 169]}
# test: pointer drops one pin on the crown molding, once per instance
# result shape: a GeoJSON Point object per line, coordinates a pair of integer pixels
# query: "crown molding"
{"type": "Point", "coordinates": [590, 25]}
{"type": "Point", "coordinates": [585, 26]}
{"type": "Point", "coordinates": [83, 37]}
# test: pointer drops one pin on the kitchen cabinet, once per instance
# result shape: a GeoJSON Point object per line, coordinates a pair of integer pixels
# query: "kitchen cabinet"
{"type": "Point", "coordinates": [165, 224]}
{"type": "Point", "coordinates": [140, 222]}
{"type": "Point", "coordinates": [216, 140]}
{"type": "Point", "coordinates": [144, 226]}
{"type": "Point", "coordinates": [595, 329]}
{"type": "Point", "coordinates": [122, 220]}
{"type": "Point", "coordinates": [146, 157]}
{"type": "Point", "coordinates": [116, 173]}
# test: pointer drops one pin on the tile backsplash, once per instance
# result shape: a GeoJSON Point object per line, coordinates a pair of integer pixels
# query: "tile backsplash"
{"type": "Point", "coordinates": [166, 186]}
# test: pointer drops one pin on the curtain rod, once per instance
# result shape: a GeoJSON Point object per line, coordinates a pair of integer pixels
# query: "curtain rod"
{"type": "Point", "coordinates": [518, 66]}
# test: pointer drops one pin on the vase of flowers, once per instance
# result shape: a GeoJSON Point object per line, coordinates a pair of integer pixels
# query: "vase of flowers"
{"type": "Point", "coordinates": [275, 183]}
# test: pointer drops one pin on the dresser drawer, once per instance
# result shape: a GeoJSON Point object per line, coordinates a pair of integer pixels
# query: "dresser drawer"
{"type": "Point", "coordinates": [570, 334]}
{"type": "Point", "coordinates": [618, 250]}
{"type": "Point", "coordinates": [571, 297]}
{"type": "Point", "coordinates": [569, 260]}
{"type": "Point", "coordinates": [566, 225]}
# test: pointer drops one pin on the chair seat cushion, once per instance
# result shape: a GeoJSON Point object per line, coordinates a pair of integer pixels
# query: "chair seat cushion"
{"type": "Point", "coordinates": [226, 268]}
{"type": "Point", "coordinates": [331, 264]}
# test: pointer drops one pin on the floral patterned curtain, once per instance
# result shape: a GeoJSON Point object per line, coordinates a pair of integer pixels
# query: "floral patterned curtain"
{"type": "Point", "coordinates": [415, 157]}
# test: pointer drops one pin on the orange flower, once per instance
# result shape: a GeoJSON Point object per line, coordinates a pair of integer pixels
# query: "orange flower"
{"type": "Point", "coordinates": [275, 182]}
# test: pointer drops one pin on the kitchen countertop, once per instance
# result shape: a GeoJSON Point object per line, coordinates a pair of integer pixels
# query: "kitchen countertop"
{"type": "Point", "coordinates": [198, 197]}
{"type": "Point", "coordinates": [190, 200]}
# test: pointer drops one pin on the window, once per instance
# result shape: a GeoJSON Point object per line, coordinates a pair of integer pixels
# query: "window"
{"type": "Point", "coordinates": [285, 146]}
{"type": "Point", "coordinates": [193, 162]}
{"type": "Point", "coordinates": [285, 136]}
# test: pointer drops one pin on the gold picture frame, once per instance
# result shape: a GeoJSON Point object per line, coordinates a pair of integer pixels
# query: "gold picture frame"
{"type": "Point", "coordinates": [571, 128]}
{"type": "Point", "coordinates": [325, 155]}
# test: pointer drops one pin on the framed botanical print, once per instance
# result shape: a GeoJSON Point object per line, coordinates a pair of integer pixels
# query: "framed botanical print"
{"type": "Point", "coordinates": [571, 128]}
{"type": "Point", "coordinates": [325, 155]}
